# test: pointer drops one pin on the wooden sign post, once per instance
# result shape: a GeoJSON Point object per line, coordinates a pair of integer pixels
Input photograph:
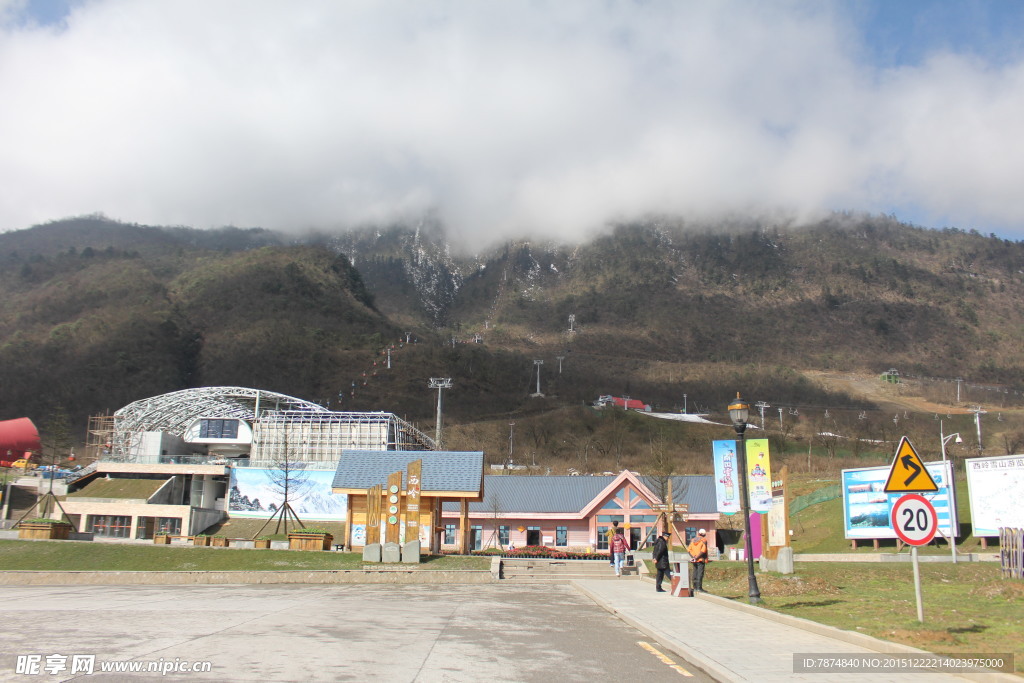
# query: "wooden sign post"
{"type": "Point", "coordinates": [413, 483]}
{"type": "Point", "coordinates": [373, 501]}
{"type": "Point", "coordinates": [393, 508]}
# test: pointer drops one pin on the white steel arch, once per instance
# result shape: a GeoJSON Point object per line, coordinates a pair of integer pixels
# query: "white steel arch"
{"type": "Point", "coordinates": [174, 412]}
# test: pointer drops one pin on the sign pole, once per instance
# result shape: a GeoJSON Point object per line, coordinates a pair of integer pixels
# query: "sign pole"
{"type": "Point", "coordinates": [917, 584]}
{"type": "Point", "coordinates": [915, 522]}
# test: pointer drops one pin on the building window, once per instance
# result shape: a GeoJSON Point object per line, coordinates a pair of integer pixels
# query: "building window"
{"type": "Point", "coordinates": [561, 535]}
{"type": "Point", "coordinates": [218, 429]}
{"type": "Point", "coordinates": [168, 525]}
{"type": "Point", "coordinates": [611, 518]}
{"type": "Point", "coordinates": [602, 538]}
{"type": "Point", "coordinates": [503, 532]}
{"type": "Point", "coordinates": [476, 536]}
{"type": "Point", "coordinates": [112, 526]}
{"type": "Point", "coordinates": [449, 534]}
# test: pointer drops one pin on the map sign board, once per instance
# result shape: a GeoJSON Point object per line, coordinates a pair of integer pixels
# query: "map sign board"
{"type": "Point", "coordinates": [867, 508]}
{"type": "Point", "coordinates": [995, 486]}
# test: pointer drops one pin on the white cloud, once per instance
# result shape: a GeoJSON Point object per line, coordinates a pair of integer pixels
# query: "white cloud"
{"type": "Point", "coordinates": [545, 117]}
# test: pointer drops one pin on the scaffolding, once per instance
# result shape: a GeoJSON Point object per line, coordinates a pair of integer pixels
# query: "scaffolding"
{"type": "Point", "coordinates": [174, 412]}
{"type": "Point", "coordinates": [99, 437]}
{"type": "Point", "coordinates": [283, 427]}
{"type": "Point", "coordinates": [321, 437]}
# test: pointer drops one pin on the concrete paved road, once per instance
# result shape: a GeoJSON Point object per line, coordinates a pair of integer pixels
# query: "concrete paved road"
{"type": "Point", "coordinates": [329, 633]}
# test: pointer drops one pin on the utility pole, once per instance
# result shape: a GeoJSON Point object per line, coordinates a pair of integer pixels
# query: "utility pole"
{"type": "Point", "coordinates": [958, 383]}
{"type": "Point", "coordinates": [572, 321]}
{"type": "Point", "coordinates": [978, 412]}
{"type": "Point", "coordinates": [389, 358]}
{"type": "Point", "coordinates": [761, 405]}
{"type": "Point", "coordinates": [780, 418]}
{"type": "Point", "coordinates": [511, 425]}
{"type": "Point", "coordinates": [684, 404]}
{"type": "Point", "coordinates": [439, 383]}
{"type": "Point", "coordinates": [537, 364]}
{"type": "Point", "coordinates": [560, 359]}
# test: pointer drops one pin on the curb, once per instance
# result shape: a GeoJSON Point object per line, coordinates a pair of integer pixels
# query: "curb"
{"type": "Point", "coordinates": [708, 666]}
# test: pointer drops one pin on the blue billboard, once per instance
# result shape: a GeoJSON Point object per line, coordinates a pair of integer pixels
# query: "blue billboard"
{"type": "Point", "coordinates": [867, 507]}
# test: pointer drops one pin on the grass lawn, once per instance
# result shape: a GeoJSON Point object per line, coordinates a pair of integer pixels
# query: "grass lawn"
{"type": "Point", "coordinates": [91, 556]}
{"type": "Point", "coordinates": [968, 607]}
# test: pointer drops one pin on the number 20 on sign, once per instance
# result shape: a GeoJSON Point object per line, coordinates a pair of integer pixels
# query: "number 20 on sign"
{"type": "Point", "coordinates": [914, 519]}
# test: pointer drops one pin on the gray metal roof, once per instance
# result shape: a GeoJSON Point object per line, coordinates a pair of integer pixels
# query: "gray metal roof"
{"type": "Point", "coordinates": [563, 494]}
{"type": "Point", "coordinates": [442, 470]}
{"type": "Point", "coordinates": [696, 490]}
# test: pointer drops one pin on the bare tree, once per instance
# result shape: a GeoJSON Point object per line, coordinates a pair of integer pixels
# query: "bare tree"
{"type": "Point", "coordinates": [56, 446]}
{"type": "Point", "coordinates": [494, 505]}
{"type": "Point", "coordinates": [288, 478]}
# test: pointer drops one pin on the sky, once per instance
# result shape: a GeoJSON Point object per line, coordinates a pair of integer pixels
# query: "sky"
{"type": "Point", "coordinates": [511, 118]}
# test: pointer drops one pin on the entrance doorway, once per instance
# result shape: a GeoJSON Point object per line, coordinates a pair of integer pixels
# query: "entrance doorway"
{"type": "Point", "coordinates": [533, 535]}
{"type": "Point", "coordinates": [636, 535]}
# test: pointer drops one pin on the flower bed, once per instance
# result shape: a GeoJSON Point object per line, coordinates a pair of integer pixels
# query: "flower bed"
{"type": "Point", "coordinates": [310, 539]}
{"type": "Point", "coordinates": [44, 528]}
{"type": "Point", "coordinates": [542, 551]}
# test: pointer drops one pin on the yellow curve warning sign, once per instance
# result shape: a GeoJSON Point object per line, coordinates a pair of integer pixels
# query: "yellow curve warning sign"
{"type": "Point", "coordinates": [908, 474]}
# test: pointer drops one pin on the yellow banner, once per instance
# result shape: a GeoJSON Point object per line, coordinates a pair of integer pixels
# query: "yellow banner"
{"type": "Point", "coordinates": [759, 475]}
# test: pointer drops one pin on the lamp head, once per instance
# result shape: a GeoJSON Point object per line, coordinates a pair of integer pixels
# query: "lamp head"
{"type": "Point", "coordinates": [739, 411]}
{"type": "Point", "coordinates": [958, 439]}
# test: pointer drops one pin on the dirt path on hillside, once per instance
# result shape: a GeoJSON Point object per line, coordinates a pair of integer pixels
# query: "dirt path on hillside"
{"type": "Point", "coordinates": [871, 388]}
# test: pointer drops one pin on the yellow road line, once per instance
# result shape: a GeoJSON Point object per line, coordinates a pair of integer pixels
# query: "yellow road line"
{"type": "Point", "coordinates": [664, 658]}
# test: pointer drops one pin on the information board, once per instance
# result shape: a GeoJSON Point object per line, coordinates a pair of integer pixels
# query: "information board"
{"type": "Point", "coordinates": [867, 508]}
{"type": "Point", "coordinates": [995, 486]}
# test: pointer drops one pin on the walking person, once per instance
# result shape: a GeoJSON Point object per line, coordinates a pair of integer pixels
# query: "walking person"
{"type": "Point", "coordinates": [698, 550]}
{"type": "Point", "coordinates": [660, 557]}
{"type": "Point", "coordinates": [610, 534]}
{"type": "Point", "coordinates": [618, 547]}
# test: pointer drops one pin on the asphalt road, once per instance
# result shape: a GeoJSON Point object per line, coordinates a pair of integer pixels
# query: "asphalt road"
{"type": "Point", "coordinates": [325, 633]}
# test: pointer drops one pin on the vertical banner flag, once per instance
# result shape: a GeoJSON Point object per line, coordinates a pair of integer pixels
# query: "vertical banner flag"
{"type": "Point", "coordinates": [727, 485]}
{"type": "Point", "coordinates": [759, 475]}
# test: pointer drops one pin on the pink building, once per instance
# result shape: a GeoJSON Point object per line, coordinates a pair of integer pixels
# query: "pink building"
{"type": "Point", "coordinates": [575, 512]}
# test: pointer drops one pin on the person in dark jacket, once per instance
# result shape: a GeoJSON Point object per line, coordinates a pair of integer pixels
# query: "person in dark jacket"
{"type": "Point", "coordinates": [660, 557]}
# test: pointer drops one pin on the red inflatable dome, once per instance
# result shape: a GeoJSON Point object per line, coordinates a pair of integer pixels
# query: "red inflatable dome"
{"type": "Point", "coordinates": [19, 438]}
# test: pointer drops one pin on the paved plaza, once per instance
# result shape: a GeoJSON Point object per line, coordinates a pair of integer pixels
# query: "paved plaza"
{"type": "Point", "coordinates": [344, 632]}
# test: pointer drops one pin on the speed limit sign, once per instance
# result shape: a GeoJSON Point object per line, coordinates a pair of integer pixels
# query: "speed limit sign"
{"type": "Point", "coordinates": [914, 519]}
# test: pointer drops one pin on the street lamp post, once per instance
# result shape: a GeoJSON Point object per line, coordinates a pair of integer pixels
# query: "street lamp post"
{"type": "Point", "coordinates": [944, 439]}
{"type": "Point", "coordinates": [739, 411]}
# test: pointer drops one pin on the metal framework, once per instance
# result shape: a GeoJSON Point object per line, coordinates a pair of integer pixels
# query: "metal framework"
{"type": "Point", "coordinates": [317, 437]}
{"type": "Point", "coordinates": [283, 426]}
{"type": "Point", "coordinates": [174, 412]}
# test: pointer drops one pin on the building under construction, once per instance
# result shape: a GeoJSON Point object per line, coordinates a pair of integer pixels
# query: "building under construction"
{"type": "Point", "coordinates": [222, 423]}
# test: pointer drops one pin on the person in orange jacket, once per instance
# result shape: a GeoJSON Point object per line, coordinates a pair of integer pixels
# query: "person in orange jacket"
{"type": "Point", "coordinates": [698, 550]}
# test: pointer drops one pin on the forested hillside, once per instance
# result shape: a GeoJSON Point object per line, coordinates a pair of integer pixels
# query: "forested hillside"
{"type": "Point", "coordinates": [96, 314]}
